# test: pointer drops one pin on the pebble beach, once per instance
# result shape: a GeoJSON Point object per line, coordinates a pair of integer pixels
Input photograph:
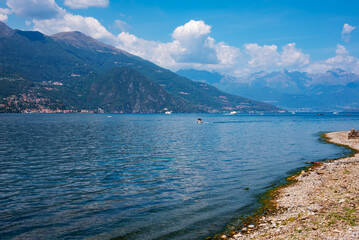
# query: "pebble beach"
{"type": "Point", "coordinates": [321, 202]}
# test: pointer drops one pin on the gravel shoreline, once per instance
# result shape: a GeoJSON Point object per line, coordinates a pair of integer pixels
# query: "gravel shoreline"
{"type": "Point", "coordinates": [321, 203]}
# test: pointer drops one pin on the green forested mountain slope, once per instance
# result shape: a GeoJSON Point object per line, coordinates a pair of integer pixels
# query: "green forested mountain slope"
{"type": "Point", "coordinates": [73, 71]}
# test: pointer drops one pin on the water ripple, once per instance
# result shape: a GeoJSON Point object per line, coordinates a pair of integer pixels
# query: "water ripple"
{"type": "Point", "coordinates": [145, 176]}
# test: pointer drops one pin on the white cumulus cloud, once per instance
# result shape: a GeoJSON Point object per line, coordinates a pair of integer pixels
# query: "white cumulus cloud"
{"type": "Point", "coordinates": [191, 47]}
{"type": "Point", "coordinates": [69, 22]}
{"type": "Point", "coordinates": [5, 11]}
{"type": "Point", "coordinates": [192, 29]}
{"type": "Point", "coordinates": [198, 46]}
{"type": "Point", "coordinates": [36, 9]}
{"type": "Point", "coordinates": [49, 18]}
{"type": "Point", "coordinates": [159, 53]}
{"type": "Point", "coordinates": [341, 50]}
{"type": "Point", "coordinates": [347, 29]}
{"type": "Point", "coordinates": [227, 55]}
{"type": "Point", "coordinates": [81, 4]}
{"type": "Point", "coordinates": [293, 57]}
{"type": "Point", "coordinates": [3, 14]}
{"type": "Point", "coordinates": [267, 57]}
{"type": "Point", "coordinates": [342, 60]}
{"type": "Point", "coordinates": [3, 17]}
{"type": "Point", "coordinates": [262, 56]}
{"type": "Point", "coordinates": [122, 25]}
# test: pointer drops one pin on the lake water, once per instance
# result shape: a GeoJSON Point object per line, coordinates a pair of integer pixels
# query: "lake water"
{"type": "Point", "coordinates": [147, 176]}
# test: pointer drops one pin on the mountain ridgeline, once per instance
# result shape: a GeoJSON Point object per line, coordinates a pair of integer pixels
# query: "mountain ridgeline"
{"type": "Point", "coordinates": [71, 71]}
{"type": "Point", "coordinates": [334, 90]}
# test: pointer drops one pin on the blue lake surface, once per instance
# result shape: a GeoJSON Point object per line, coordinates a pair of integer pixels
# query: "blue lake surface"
{"type": "Point", "coordinates": [147, 176]}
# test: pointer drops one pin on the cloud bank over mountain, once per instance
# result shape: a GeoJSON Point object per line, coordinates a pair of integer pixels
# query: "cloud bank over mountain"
{"type": "Point", "coordinates": [191, 46]}
{"type": "Point", "coordinates": [342, 60]}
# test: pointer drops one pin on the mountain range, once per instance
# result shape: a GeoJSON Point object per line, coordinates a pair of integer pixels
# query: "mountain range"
{"type": "Point", "coordinates": [334, 90]}
{"type": "Point", "coordinates": [72, 72]}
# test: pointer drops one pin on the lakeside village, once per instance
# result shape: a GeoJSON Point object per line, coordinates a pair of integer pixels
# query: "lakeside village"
{"type": "Point", "coordinates": [35, 98]}
{"type": "Point", "coordinates": [33, 102]}
{"type": "Point", "coordinates": [28, 103]}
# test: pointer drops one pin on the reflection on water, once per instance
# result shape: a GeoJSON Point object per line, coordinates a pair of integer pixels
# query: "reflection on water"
{"type": "Point", "coordinates": [146, 176]}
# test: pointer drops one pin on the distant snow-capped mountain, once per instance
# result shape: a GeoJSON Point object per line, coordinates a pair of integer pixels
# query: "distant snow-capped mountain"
{"type": "Point", "coordinates": [334, 90]}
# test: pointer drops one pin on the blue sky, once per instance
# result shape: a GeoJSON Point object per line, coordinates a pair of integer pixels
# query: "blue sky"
{"type": "Point", "coordinates": [230, 36]}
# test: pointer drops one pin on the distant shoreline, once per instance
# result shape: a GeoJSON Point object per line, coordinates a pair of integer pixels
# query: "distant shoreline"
{"type": "Point", "coordinates": [321, 201]}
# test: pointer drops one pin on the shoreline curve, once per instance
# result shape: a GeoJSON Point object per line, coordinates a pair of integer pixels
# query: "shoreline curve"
{"type": "Point", "coordinates": [320, 202]}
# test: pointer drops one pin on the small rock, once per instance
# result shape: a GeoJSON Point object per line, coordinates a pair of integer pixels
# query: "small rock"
{"type": "Point", "coordinates": [312, 209]}
{"type": "Point", "coordinates": [322, 210]}
{"type": "Point", "coordinates": [341, 200]}
{"type": "Point", "coordinates": [223, 237]}
{"type": "Point", "coordinates": [237, 235]}
{"type": "Point", "coordinates": [314, 227]}
{"type": "Point", "coordinates": [320, 172]}
{"type": "Point", "coordinates": [251, 226]}
{"type": "Point", "coordinates": [244, 229]}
